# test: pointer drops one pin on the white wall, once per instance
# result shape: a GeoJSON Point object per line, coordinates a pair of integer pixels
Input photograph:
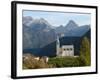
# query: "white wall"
{"type": "Point", "coordinates": [5, 40]}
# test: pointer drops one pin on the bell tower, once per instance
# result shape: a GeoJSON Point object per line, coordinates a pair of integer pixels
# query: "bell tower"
{"type": "Point", "coordinates": [57, 46]}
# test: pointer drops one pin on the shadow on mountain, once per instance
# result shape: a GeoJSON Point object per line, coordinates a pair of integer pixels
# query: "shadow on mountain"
{"type": "Point", "coordinates": [50, 49]}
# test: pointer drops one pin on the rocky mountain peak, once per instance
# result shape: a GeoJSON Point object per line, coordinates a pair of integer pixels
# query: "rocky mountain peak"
{"type": "Point", "coordinates": [71, 24]}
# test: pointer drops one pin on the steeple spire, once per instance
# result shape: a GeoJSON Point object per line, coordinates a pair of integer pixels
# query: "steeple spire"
{"type": "Point", "coordinates": [58, 40]}
{"type": "Point", "coordinates": [57, 46]}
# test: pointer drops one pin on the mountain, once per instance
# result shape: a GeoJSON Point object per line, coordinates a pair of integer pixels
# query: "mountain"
{"type": "Point", "coordinates": [37, 33]}
{"type": "Point", "coordinates": [63, 29]}
{"type": "Point", "coordinates": [27, 20]}
{"type": "Point", "coordinates": [71, 25]}
{"type": "Point", "coordinates": [72, 29]}
{"type": "Point", "coordinates": [78, 32]}
{"type": "Point", "coordinates": [60, 29]}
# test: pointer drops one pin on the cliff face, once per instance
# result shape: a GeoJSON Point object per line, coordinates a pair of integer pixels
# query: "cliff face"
{"type": "Point", "coordinates": [37, 33]}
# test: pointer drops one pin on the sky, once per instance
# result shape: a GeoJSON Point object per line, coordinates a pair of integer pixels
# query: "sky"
{"type": "Point", "coordinates": [60, 18]}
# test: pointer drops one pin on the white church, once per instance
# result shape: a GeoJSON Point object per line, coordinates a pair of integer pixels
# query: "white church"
{"type": "Point", "coordinates": [64, 50]}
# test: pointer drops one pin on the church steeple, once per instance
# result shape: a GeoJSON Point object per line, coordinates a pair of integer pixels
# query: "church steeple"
{"type": "Point", "coordinates": [57, 46]}
{"type": "Point", "coordinates": [58, 40]}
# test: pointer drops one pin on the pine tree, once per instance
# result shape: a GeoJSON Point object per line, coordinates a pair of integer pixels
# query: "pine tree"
{"type": "Point", "coordinates": [85, 52]}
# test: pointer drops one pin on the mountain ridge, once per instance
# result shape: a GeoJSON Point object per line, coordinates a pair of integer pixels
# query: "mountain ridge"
{"type": "Point", "coordinates": [38, 33]}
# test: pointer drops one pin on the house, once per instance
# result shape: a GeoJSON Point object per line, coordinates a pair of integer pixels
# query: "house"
{"type": "Point", "coordinates": [37, 58]}
{"type": "Point", "coordinates": [45, 58]}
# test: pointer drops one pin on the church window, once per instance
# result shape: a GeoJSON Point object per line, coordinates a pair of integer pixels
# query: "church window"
{"type": "Point", "coordinates": [71, 49]}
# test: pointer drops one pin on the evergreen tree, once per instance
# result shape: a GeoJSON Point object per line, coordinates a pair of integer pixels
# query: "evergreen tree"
{"type": "Point", "coordinates": [85, 52]}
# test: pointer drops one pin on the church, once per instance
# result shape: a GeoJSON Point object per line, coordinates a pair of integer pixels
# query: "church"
{"type": "Point", "coordinates": [64, 50]}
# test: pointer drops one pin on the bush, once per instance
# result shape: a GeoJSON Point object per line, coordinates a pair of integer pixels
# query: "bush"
{"type": "Point", "coordinates": [85, 51]}
{"type": "Point", "coordinates": [66, 62]}
{"type": "Point", "coordinates": [31, 63]}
